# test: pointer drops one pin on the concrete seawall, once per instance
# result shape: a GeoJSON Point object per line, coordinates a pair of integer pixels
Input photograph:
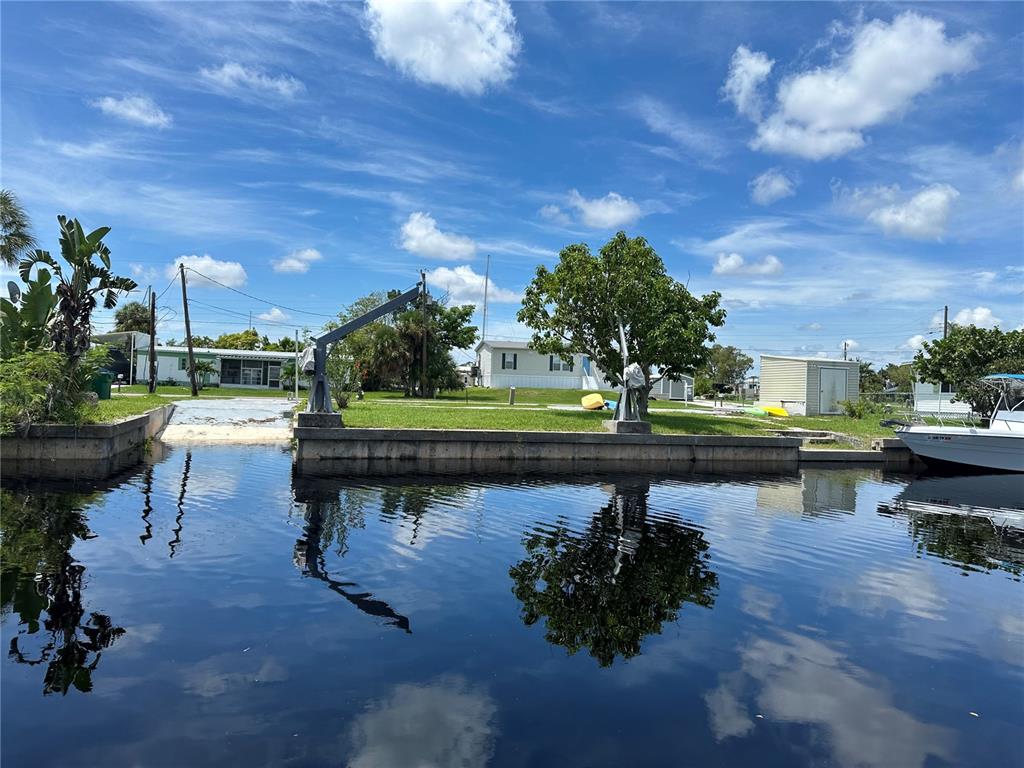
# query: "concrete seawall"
{"type": "Point", "coordinates": [325, 452]}
{"type": "Point", "coordinates": [90, 452]}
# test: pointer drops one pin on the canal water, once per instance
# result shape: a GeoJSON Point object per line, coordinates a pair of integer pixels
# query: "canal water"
{"type": "Point", "coordinates": [210, 610]}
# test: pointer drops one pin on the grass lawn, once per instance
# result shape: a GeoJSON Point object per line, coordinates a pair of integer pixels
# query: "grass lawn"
{"type": "Point", "coordinates": [117, 408]}
{"type": "Point", "coordinates": [184, 391]}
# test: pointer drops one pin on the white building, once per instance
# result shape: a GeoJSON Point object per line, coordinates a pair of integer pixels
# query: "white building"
{"type": "Point", "coordinates": [513, 364]}
{"type": "Point", "coordinates": [808, 386]}
{"type": "Point", "coordinates": [235, 367]}
{"type": "Point", "coordinates": [937, 399]}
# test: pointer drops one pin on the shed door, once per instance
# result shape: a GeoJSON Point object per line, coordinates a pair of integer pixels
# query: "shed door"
{"type": "Point", "coordinates": [832, 389]}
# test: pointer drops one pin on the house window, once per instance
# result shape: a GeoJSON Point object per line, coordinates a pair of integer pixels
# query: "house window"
{"type": "Point", "coordinates": [555, 363]}
{"type": "Point", "coordinates": [509, 360]}
{"type": "Point", "coordinates": [947, 389]}
{"type": "Point", "coordinates": [230, 371]}
{"type": "Point", "coordinates": [252, 372]}
{"type": "Point", "coordinates": [182, 364]}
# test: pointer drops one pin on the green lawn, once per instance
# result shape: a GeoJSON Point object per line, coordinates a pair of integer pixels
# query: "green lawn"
{"type": "Point", "coordinates": [117, 408]}
{"type": "Point", "coordinates": [184, 391]}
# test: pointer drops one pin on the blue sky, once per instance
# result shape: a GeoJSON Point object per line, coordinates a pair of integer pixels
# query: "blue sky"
{"type": "Point", "coordinates": [837, 172]}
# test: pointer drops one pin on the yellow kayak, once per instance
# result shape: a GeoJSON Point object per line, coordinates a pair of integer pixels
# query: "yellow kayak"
{"type": "Point", "coordinates": [774, 411]}
{"type": "Point", "coordinates": [594, 402]}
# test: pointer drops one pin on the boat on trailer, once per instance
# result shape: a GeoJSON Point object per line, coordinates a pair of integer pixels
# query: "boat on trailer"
{"type": "Point", "coordinates": [998, 446]}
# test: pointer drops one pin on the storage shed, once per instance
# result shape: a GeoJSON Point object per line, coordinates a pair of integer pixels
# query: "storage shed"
{"type": "Point", "coordinates": [808, 386]}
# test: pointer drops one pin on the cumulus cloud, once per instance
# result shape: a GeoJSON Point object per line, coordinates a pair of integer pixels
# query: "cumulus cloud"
{"type": "Point", "coordinates": [979, 316]}
{"type": "Point", "coordinates": [464, 286]}
{"type": "Point", "coordinates": [229, 273]}
{"type": "Point", "coordinates": [135, 109]}
{"type": "Point", "coordinates": [465, 47]}
{"type": "Point", "coordinates": [770, 186]}
{"type": "Point", "coordinates": [297, 261]}
{"type": "Point", "coordinates": [232, 76]}
{"type": "Point", "coordinates": [824, 112]}
{"type": "Point", "coordinates": [922, 217]}
{"type": "Point", "coordinates": [555, 215]}
{"type": "Point", "coordinates": [735, 264]}
{"type": "Point", "coordinates": [608, 212]}
{"type": "Point", "coordinates": [915, 342]}
{"type": "Point", "coordinates": [747, 70]}
{"type": "Point", "coordinates": [421, 236]}
{"type": "Point", "coordinates": [849, 345]}
{"type": "Point", "coordinates": [274, 315]}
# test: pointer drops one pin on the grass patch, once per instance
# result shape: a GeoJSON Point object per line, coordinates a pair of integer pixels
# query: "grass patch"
{"type": "Point", "coordinates": [117, 408]}
{"type": "Point", "coordinates": [184, 391]}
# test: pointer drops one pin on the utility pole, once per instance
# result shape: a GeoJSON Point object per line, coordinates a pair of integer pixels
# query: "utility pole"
{"type": "Point", "coordinates": [188, 335]}
{"type": "Point", "coordinates": [152, 343]}
{"type": "Point", "coordinates": [844, 350]}
{"type": "Point", "coordinates": [296, 376]}
{"type": "Point", "coordinates": [487, 280]}
{"type": "Point", "coordinates": [945, 320]}
{"type": "Point", "coordinates": [423, 361]}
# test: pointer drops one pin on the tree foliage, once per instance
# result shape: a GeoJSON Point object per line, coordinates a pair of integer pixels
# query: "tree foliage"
{"type": "Point", "coordinates": [133, 316]}
{"type": "Point", "coordinates": [965, 355]}
{"type": "Point", "coordinates": [247, 339]}
{"type": "Point", "coordinates": [575, 308]}
{"type": "Point", "coordinates": [16, 239]}
{"type": "Point", "coordinates": [25, 317]}
{"type": "Point", "coordinates": [616, 582]}
{"type": "Point", "coordinates": [78, 287]}
{"type": "Point", "coordinates": [726, 365]}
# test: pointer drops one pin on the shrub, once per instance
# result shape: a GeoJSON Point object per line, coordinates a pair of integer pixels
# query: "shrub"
{"type": "Point", "coordinates": [858, 409]}
{"type": "Point", "coordinates": [42, 387]}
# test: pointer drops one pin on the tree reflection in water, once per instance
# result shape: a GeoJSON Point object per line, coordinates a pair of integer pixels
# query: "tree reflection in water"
{"type": "Point", "coordinates": [610, 586]}
{"type": "Point", "coordinates": [39, 576]}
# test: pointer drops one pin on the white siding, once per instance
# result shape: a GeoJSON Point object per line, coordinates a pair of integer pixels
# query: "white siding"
{"type": "Point", "coordinates": [532, 370]}
{"type": "Point", "coordinates": [783, 383]}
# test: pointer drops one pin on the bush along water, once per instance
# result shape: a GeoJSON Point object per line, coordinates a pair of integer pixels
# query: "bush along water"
{"type": "Point", "coordinates": [46, 364]}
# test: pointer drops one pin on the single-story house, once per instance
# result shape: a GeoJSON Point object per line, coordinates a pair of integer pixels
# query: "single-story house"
{"type": "Point", "coordinates": [235, 367]}
{"type": "Point", "coordinates": [808, 386]}
{"type": "Point", "coordinates": [937, 399]}
{"type": "Point", "coordinates": [504, 364]}
{"type": "Point", "coordinates": [127, 342]}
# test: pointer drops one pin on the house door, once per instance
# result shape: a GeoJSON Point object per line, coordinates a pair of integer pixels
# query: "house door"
{"type": "Point", "coordinates": [274, 375]}
{"type": "Point", "coordinates": [832, 389]}
{"type": "Point", "coordinates": [586, 365]}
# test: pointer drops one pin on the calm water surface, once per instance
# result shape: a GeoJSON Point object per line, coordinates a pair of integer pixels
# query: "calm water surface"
{"type": "Point", "coordinates": [209, 610]}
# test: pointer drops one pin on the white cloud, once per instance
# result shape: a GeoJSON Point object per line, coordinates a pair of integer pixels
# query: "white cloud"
{"type": "Point", "coordinates": [464, 46]}
{"type": "Point", "coordinates": [747, 70]}
{"type": "Point", "coordinates": [232, 76]}
{"type": "Point", "coordinates": [770, 186]}
{"type": "Point", "coordinates": [823, 112]}
{"type": "Point", "coordinates": [273, 314]}
{"type": "Point", "coordinates": [464, 286]}
{"type": "Point", "coordinates": [608, 212]}
{"type": "Point", "coordinates": [682, 130]}
{"type": "Point", "coordinates": [809, 327]}
{"type": "Point", "coordinates": [297, 261]}
{"type": "Point", "coordinates": [230, 273]}
{"type": "Point", "coordinates": [922, 217]}
{"type": "Point", "coordinates": [734, 264]}
{"type": "Point", "coordinates": [849, 345]}
{"type": "Point", "coordinates": [979, 316]}
{"type": "Point", "coordinates": [135, 109]}
{"type": "Point", "coordinates": [421, 236]}
{"type": "Point", "coordinates": [555, 215]}
{"type": "Point", "coordinates": [915, 342]}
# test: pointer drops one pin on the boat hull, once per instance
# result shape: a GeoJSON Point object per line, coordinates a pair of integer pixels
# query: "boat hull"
{"type": "Point", "coordinates": [971, 447]}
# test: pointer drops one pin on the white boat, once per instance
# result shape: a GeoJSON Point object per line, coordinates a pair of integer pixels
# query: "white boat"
{"type": "Point", "coordinates": [999, 446]}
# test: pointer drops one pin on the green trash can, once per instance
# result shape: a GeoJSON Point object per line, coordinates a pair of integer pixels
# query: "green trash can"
{"type": "Point", "coordinates": [101, 384]}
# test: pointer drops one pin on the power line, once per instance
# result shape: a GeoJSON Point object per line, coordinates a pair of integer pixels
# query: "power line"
{"type": "Point", "coordinates": [257, 298]}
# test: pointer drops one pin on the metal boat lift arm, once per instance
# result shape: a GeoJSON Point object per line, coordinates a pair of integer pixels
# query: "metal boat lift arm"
{"type": "Point", "coordinates": [320, 394]}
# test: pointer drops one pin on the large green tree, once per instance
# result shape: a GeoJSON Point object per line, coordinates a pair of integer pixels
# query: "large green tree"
{"type": "Point", "coordinates": [726, 366]}
{"type": "Point", "coordinates": [16, 239]}
{"type": "Point", "coordinates": [576, 308]}
{"type": "Point", "coordinates": [133, 316]}
{"type": "Point", "coordinates": [247, 339]}
{"type": "Point", "coordinates": [965, 355]}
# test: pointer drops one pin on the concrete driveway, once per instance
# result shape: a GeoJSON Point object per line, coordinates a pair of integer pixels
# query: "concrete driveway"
{"type": "Point", "coordinates": [231, 420]}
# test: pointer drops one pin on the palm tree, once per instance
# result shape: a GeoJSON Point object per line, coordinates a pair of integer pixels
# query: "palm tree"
{"type": "Point", "coordinates": [204, 369]}
{"type": "Point", "coordinates": [77, 290]}
{"type": "Point", "coordinates": [133, 316]}
{"type": "Point", "coordinates": [15, 238]}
